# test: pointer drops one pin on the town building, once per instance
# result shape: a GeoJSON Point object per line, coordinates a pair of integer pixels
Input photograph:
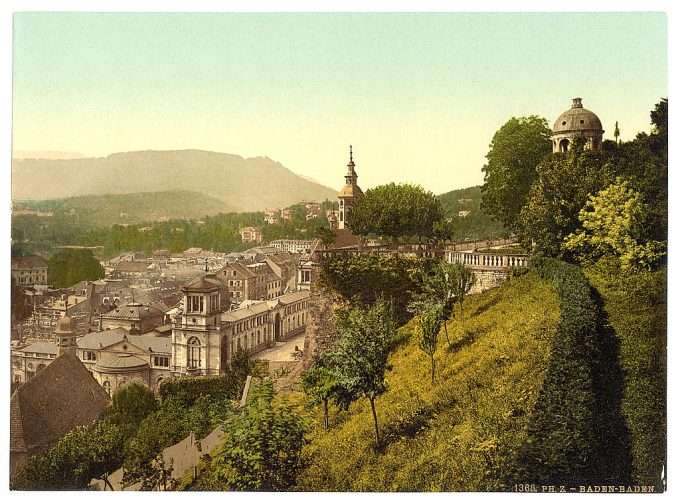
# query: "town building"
{"type": "Point", "coordinates": [577, 121]}
{"type": "Point", "coordinates": [271, 216]}
{"type": "Point", "coordinates": [292, 246]}
{"type": "Point", "coordinates": [250, 234]}
{"type": "Point", "coordinates": [204, 339]}
{"type": "Point", "coordinates": [29, 270]}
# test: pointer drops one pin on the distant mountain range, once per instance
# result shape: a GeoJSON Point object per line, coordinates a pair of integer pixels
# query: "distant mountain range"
{"type": "Point", "coordinates": [242, 184]}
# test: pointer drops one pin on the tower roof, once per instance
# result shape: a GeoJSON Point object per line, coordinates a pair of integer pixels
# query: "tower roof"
{"type": "Point", "coordinates": [351, 189]}
{"type": "Point", "coordinates": [66, 325]}
{"type": "Point", "coordinates": [577, 119]}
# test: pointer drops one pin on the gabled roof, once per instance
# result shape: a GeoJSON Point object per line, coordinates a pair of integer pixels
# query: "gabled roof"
{"type": "Point", "coordinates": [45, 347]}
{"type": "Point", "coordinates": [205, 283]}
{"type": "Point", "coordinates": [56, 400]}
{"type": "Point", "coordinates": [31, 261]}
{"type": "Point", "coordinates": [146, 341]}
{"type": "Point", "coordinates": [133, 311]}
{"type": "Point", "coordinates": [239, 268]}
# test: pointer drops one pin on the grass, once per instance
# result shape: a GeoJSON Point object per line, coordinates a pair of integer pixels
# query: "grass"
{"type": "Point", "coordinates": [463, 432]}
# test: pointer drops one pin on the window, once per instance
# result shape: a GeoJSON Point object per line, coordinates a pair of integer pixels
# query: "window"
{"type": "Point", "coordinates": [161, 361]}
{"type": "Point", "coordinates": [107, 387]}
{"type": "Point", "coordinates": [194, 353]}
{"type": "Point", "coordinates": [89, 356]}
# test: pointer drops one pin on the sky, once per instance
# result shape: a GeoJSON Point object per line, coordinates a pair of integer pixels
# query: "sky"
{"type": "Point", "coordinates": [419, 96]}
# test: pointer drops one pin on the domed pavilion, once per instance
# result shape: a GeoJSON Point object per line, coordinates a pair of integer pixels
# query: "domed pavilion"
{"type": "Point", "coordinates": [577, 121]}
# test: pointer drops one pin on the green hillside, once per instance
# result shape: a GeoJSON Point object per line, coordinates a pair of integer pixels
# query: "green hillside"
{"type": "Point", "coordinates": [108, 209]}
{"type": "Point", "coordinates": [463, 432]}
{"type": "Point", "coordinates": [476, 225]}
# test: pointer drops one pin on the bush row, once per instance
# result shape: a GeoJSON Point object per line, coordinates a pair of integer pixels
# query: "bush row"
{"type": "Point", "coordinates": [562, 442]}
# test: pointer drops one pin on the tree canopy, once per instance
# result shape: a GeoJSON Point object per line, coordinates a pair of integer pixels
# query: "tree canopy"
{"type": "Point", "coordinates": [360, 360]}
{"type": "Point", "coordinates": [67, 267]}
{"type": "Point", "coordinates": [515, 151]}
{"type": "Point", "coordinates": [262, 445]}
{"type": "Point", "coordinates": [611, 226]}
{"type": "Point", "coordinates": [397, 210]}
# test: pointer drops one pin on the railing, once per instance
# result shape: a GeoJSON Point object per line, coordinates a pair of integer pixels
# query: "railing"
{"type": "Point", "coordinates": [476, 260]}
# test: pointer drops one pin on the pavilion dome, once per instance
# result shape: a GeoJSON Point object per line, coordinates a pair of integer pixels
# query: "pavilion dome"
{"type": "Point", "coordinates": [577, 119]}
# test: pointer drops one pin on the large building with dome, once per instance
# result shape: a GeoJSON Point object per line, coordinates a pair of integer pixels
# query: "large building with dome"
{"type": "Point", "coordinates": [574, 122]}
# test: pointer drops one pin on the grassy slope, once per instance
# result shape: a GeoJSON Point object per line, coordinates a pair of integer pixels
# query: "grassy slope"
{"type": "Point", "coordinates": [636, 309]}
{"type": "Point", "coordinates": [460, 433]}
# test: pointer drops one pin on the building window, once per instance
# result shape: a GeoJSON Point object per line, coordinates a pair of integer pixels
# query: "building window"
{"type": "Point", "coordinates": [89, 356]}
{"type": "Point", "coordinates": [107, 386]}
{"type": "Point", "coordinates": [161, 361]}
{"type": "Point", "coordinates": [194, 353]}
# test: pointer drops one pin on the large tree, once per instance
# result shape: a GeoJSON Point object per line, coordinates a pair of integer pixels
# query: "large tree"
{"type": "Point", "coordinates": [262, 447]}
{"type": "Point", "coordinates": [515, 151]}
{"type": "Point", "coordinates": [556, 197]}
{"type": "Point", "coordinates": [397, 210]}
{"type": "Point", "coordinates": [360, 360]}
{"type": "Point", "coordinates": [612, 226]}
{"type": "Point", "coordinates": [70, 266]}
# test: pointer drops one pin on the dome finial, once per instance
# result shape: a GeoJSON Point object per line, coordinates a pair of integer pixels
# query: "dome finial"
{"type": "Point", "coordinates": [350, 153]}
{"type": "Point", "coordinates": [206, 264]}
{"type": "Point", "coordinates": [576, 103]}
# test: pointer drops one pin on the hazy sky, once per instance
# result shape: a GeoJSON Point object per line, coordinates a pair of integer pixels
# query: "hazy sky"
{"type": "Point", "coordinates": [418, 95]}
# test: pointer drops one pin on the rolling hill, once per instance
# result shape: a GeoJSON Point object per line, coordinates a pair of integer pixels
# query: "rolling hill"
{"type": "Point", "coordinates": [108, 209]}
{"type": "Point", "coordinates": [244, 184]}
{"type": "Point", "coordinates": [475, 225]}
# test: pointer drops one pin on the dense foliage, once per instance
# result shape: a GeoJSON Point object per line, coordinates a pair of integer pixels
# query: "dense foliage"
{"type": "Point", "coordinates": [367, 277]}
{"type": "Point", "coordinates": [218, 233]}
{"type": "Point", "coordinates": [611, 227]}
{"type": "Point", "coordinates": [635, 306]}
{"type": "Point", "coordinates": [397, 210]}
{"type": "Point", "coordinates": [223, 387]}
{"type": "Point", "coordinates": [515, 151]}
{"type": "Point", "coordinates": [262, 445]}
{"type": "Point", "coordinates": [83, 454]}
{"type": "Point", "coordinates": [67, 267]}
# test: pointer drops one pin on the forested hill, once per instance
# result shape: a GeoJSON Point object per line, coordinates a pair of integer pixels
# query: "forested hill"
{"type": "Point", "coordinates": [245, 184]}
{"type": "Point", "coordinates": [476, 225]}
{"type": "Point", "coordinates": [108, 209]}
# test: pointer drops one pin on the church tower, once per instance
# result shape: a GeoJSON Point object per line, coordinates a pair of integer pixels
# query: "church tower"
{"type": "Point", "coordinates": [66, 334]}
{"type": "Point", "coordinates": [349, 194]}
{"type": "Point", "coordinates": [197, 343]}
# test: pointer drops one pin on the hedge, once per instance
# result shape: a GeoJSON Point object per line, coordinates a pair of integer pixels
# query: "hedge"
{"type": "Point", "coordinates": [188, 389]}
{"type": "Point", "coordinates": [562, 445]}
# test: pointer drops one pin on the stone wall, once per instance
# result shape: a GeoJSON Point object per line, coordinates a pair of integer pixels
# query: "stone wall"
{"type": "Point", "coordinates": [487, 279]}
{"type": "Point", "coordinates": [321, 331]}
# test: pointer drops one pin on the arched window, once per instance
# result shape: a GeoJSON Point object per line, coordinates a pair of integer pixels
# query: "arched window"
{"type": "Point", "coordinates": [564, 145]}
{"type": "Point", "coordinates": [107, 387]}
{"type": "Point", "coordinates": [194, 353]}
